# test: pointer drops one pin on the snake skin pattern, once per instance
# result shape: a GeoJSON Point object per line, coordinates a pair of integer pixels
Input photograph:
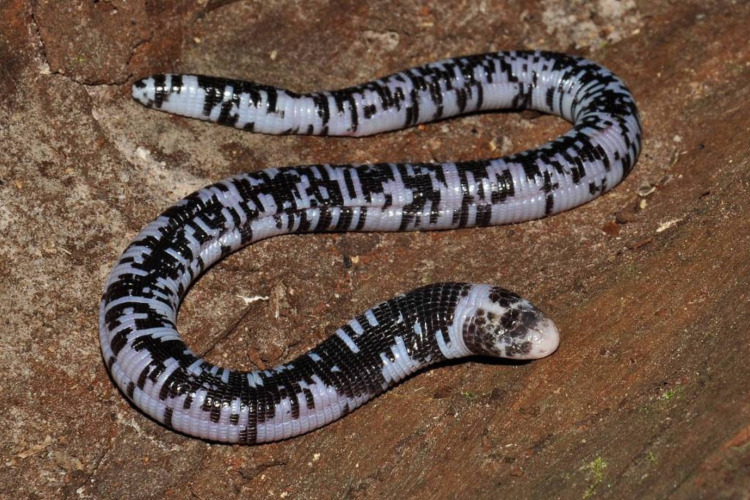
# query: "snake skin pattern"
{"type": "Point", "coordinates": [156, 370]}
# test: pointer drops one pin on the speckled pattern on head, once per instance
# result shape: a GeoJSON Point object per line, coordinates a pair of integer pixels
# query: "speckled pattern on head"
{"type": "Point", "coordinates": [155, 369]}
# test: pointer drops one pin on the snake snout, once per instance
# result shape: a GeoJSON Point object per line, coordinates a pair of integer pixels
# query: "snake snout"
{"type": "Point", "coordinates": [528, 335]}
{"type": "Point", "coordinates": [544, 338]}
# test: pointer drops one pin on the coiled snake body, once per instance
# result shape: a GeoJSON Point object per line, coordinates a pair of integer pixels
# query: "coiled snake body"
{"type": "Point", "coordinates": [155, 369]}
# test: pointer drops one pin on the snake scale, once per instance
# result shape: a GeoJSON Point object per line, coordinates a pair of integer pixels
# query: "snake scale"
{"type": "Point", "coordinates": [154, 368]}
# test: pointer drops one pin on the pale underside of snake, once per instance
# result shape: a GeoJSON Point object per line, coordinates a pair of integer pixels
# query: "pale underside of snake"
{"type": "Point", "coordinates": [154, 368]}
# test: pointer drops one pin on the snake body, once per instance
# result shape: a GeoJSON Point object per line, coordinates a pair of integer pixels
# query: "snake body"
{"type": "Point", "coordinates": [154, 368]}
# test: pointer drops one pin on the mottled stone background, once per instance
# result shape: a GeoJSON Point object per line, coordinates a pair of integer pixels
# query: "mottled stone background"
{"type": "Point", "coordinates": [649, 394]}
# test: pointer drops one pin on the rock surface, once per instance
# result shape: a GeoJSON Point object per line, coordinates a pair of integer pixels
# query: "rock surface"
{"type": "Point", "coordinates": [650, 284]}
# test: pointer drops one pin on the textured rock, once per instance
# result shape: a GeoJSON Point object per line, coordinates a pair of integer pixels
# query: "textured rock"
{"type": "Point", "coordinates": [650, 285]}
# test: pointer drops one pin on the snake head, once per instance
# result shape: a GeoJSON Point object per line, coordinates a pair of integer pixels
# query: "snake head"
{"type": "Point", "coordinates": [508, 326]}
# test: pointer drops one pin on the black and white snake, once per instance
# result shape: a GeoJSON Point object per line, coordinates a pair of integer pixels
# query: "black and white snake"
{"type": "Point", "coordinates": [155, 369]}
